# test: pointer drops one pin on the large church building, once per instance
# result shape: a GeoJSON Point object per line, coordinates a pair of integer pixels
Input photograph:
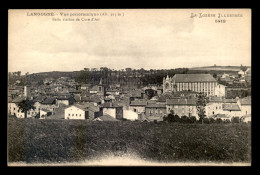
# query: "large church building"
{"type": "Point", "coordinates": [194, 82]}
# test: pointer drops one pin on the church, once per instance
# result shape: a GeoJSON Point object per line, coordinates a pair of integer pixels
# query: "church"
{"type": "Point", "coordinates": [191, 82]}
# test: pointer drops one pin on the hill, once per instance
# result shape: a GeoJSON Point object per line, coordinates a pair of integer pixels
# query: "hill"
{"type": "Point", "coordinates": [219, 68]}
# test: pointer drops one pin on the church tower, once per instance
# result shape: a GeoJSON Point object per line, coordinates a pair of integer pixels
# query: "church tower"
{"type": "Point", "coordinates": [167, 84]}
{"type": "Point", "coordinates": [100, 90]}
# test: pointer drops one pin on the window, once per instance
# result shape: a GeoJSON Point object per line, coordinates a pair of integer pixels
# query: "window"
{"type": "Point", "coordinates": [14, 108]}
{"type": "Point", "coordinates": [72, 114]}
{"type": "Point", "coordinates": [76, 114]}
{"type": "Point", "coordinates": [68, 114]}
{"type": "Point", "coordinates": [134, 110]}
{"type": "Point", "coordinates": [80, 115]}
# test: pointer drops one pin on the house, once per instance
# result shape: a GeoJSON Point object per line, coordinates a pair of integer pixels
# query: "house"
{"type": "Point", "coordinates": [227, 80]}
{"type": "Point", "coordinates": [138, 106]}
{"type": "Point", "coordinates": [136, 95]}
{"type": "Point", "coordinates": [223, 117]}
{"type": "Point", "coordinates": [82, 111]}
{"type": "Point", "coordinates": [182, 107]}
{"type": "Point", "coordinates": [241, 73]}
{"type": "Point", "coordinates": [44, 113]}
{"type": "Point", "coordinates": [130, 115]}
{"type": "Point", "coordinates": [225, 75]}
{"type": "Point", "coordinates": [155, 110]}
{"type": "Point", "coordinates": [231, 110]}
{"type": "Point", "coordinates": [76, 112]}
{"type": "Point", "coordinates": [65, 100]}
{"type": "Point", "coordinates": [49, 103]}
{"type": "Point", "coordinates": [113, 110]}
{"type": "Point", "coordinates": [245, 105]}
{"type": "Point", "coordinates": [220, 90]}
{"type": "Point", "coordinates": [13, 109]}
{"type": "Point", "coordinates": [214, 106]}
{"type": "Point", "coordinates": [95, 100]}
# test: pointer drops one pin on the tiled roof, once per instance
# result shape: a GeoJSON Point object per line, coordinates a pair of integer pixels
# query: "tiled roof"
{"type": "Point", "coordinates": [138, 103]}
{"type": "Point", "coordinates": [17, 100]}
{"type": "Point", "coordinates": [110, 105]}
{"type": "Point", "coordinates": [245, 101]}
{"type": "Point", "coordinates": [39, 99]}
{"type": "Point", "coordinates": [181, 101]}
{"type": "Point", "coordinates": [83, 107]}
{"type": "Point", "coordinates": [193, 78]}
{"type": "Point", "coordinates": [155, 105]}
{"type": "Point", "coordinates": [230, 107]}
{"type": "Point", "coordinates": [49, 101]}
{"type": "Point", "coordinates": [106, 118]}
{"type": "Point", "coordinates": [213, 99]}
{"type": "Point", "coordinates": [227, 100]}
{"type": "Point", "coordinates": [161, 99]}
{"type": "Point", "coordinates": [94, 99]}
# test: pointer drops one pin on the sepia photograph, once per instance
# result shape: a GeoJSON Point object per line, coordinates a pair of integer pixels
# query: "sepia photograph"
{"type": "Point", "coordinates": [129, 87]}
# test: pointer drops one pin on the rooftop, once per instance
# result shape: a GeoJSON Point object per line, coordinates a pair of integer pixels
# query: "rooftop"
{"type": "Point", "coordinates": [181, 101]}
{"type": "Point", "coordinates": [155, 105]}
{"type": "Point", "coordinates": [245, 101]}
{"type": "Point", "coordinates": [193, 78]}
{"type": "Point", "coordinates": [105, 118]}
{"type": "Point", "coordinates": [230, 107]}
{"type": "Point", "coordinates": [138, 103]}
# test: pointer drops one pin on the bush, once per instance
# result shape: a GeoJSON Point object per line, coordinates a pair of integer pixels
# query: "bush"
{"type": "Point", "coordinates": [192, 119]}
{"type": "Point", "coordinates": [171, 118]}
{"type": "Point", "coordinates": [235, 120]}
{"type": "Point", "coordinates": [211, 120]}
{"type": "Point", "coordinates": [219, 120]}
{"type": "Point", "coordinates": [184, 119]}
{"type": "Point", "coordinates": [227, 121]}
{"type": "Point", "coordinates": [206, 120]}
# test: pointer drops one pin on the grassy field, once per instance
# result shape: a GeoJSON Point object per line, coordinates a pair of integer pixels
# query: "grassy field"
{"type": "Point", "coordinates": [47, 141]}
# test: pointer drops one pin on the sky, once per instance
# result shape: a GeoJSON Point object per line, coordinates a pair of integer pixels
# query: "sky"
{"type": "Point", "coordinates": [149, 39]}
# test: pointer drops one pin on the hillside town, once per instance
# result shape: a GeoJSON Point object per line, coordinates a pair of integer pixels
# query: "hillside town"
{"type": "Point", "coordinates": [126, 97]}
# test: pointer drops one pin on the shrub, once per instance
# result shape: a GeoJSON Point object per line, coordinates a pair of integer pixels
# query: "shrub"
{"type": "Point", "coordinates": [192, 119]}
{"type": "Point", "coordinates": [171, 118]}
{"type": "Point", "coordinates": [206, 120]}
{"type": "Point", "coordinates": [211, 120]}
{"type": "Point", "coordinates": [227, 121]}
{"type": "Point", "coordinates": [184, 119]}
{"type": "Point", "coordinates": [219, 120]}
{"type": "Point", "coordinates": [235, 120]}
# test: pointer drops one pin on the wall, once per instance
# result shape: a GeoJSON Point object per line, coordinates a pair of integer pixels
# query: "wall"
{"type": "Point", "coordinates": [74, 113]}
{"type": "Point", "coordinates": [65, 102]}
{"type": "Point", "coordinates": [139, 109]}
{"type": "Point", "coordinates": [182, 110]}
{"type": "Point", "coordinates": [214, 107]}
{"type": "Point", "coordinates": [119, 113]}
{"type": "Point", "coordinates": [110, 111]}
{"type": "Point", "coordinates": [156, 112]}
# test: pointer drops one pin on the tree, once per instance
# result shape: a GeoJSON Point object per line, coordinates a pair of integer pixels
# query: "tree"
{"type": "Point", "coordinates": [25, 106]}
{"type": "Point", "coordinates": [243, 68]}
{"type": "Point", "coordinates": [215, 75]}
{"type": "Point", "coordinates": [150, 93]}
{"type": "Point", "coordinates": [201, 102]}
{"type": "Point", "coordinates": [192, 119]}
{"type": "Point", "coordinates": [171, 117]}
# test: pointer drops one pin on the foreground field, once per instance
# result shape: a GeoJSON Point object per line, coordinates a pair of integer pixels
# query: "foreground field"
{"type": "Point", "coordinates": [49, 141]}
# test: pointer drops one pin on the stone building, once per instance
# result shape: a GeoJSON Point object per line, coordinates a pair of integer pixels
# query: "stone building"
{"type": "Point", "coordinates": [191, 82]}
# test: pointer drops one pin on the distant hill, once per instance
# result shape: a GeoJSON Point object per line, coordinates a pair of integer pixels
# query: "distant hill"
{"type": "Point", "coordinates": [221, 68]}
